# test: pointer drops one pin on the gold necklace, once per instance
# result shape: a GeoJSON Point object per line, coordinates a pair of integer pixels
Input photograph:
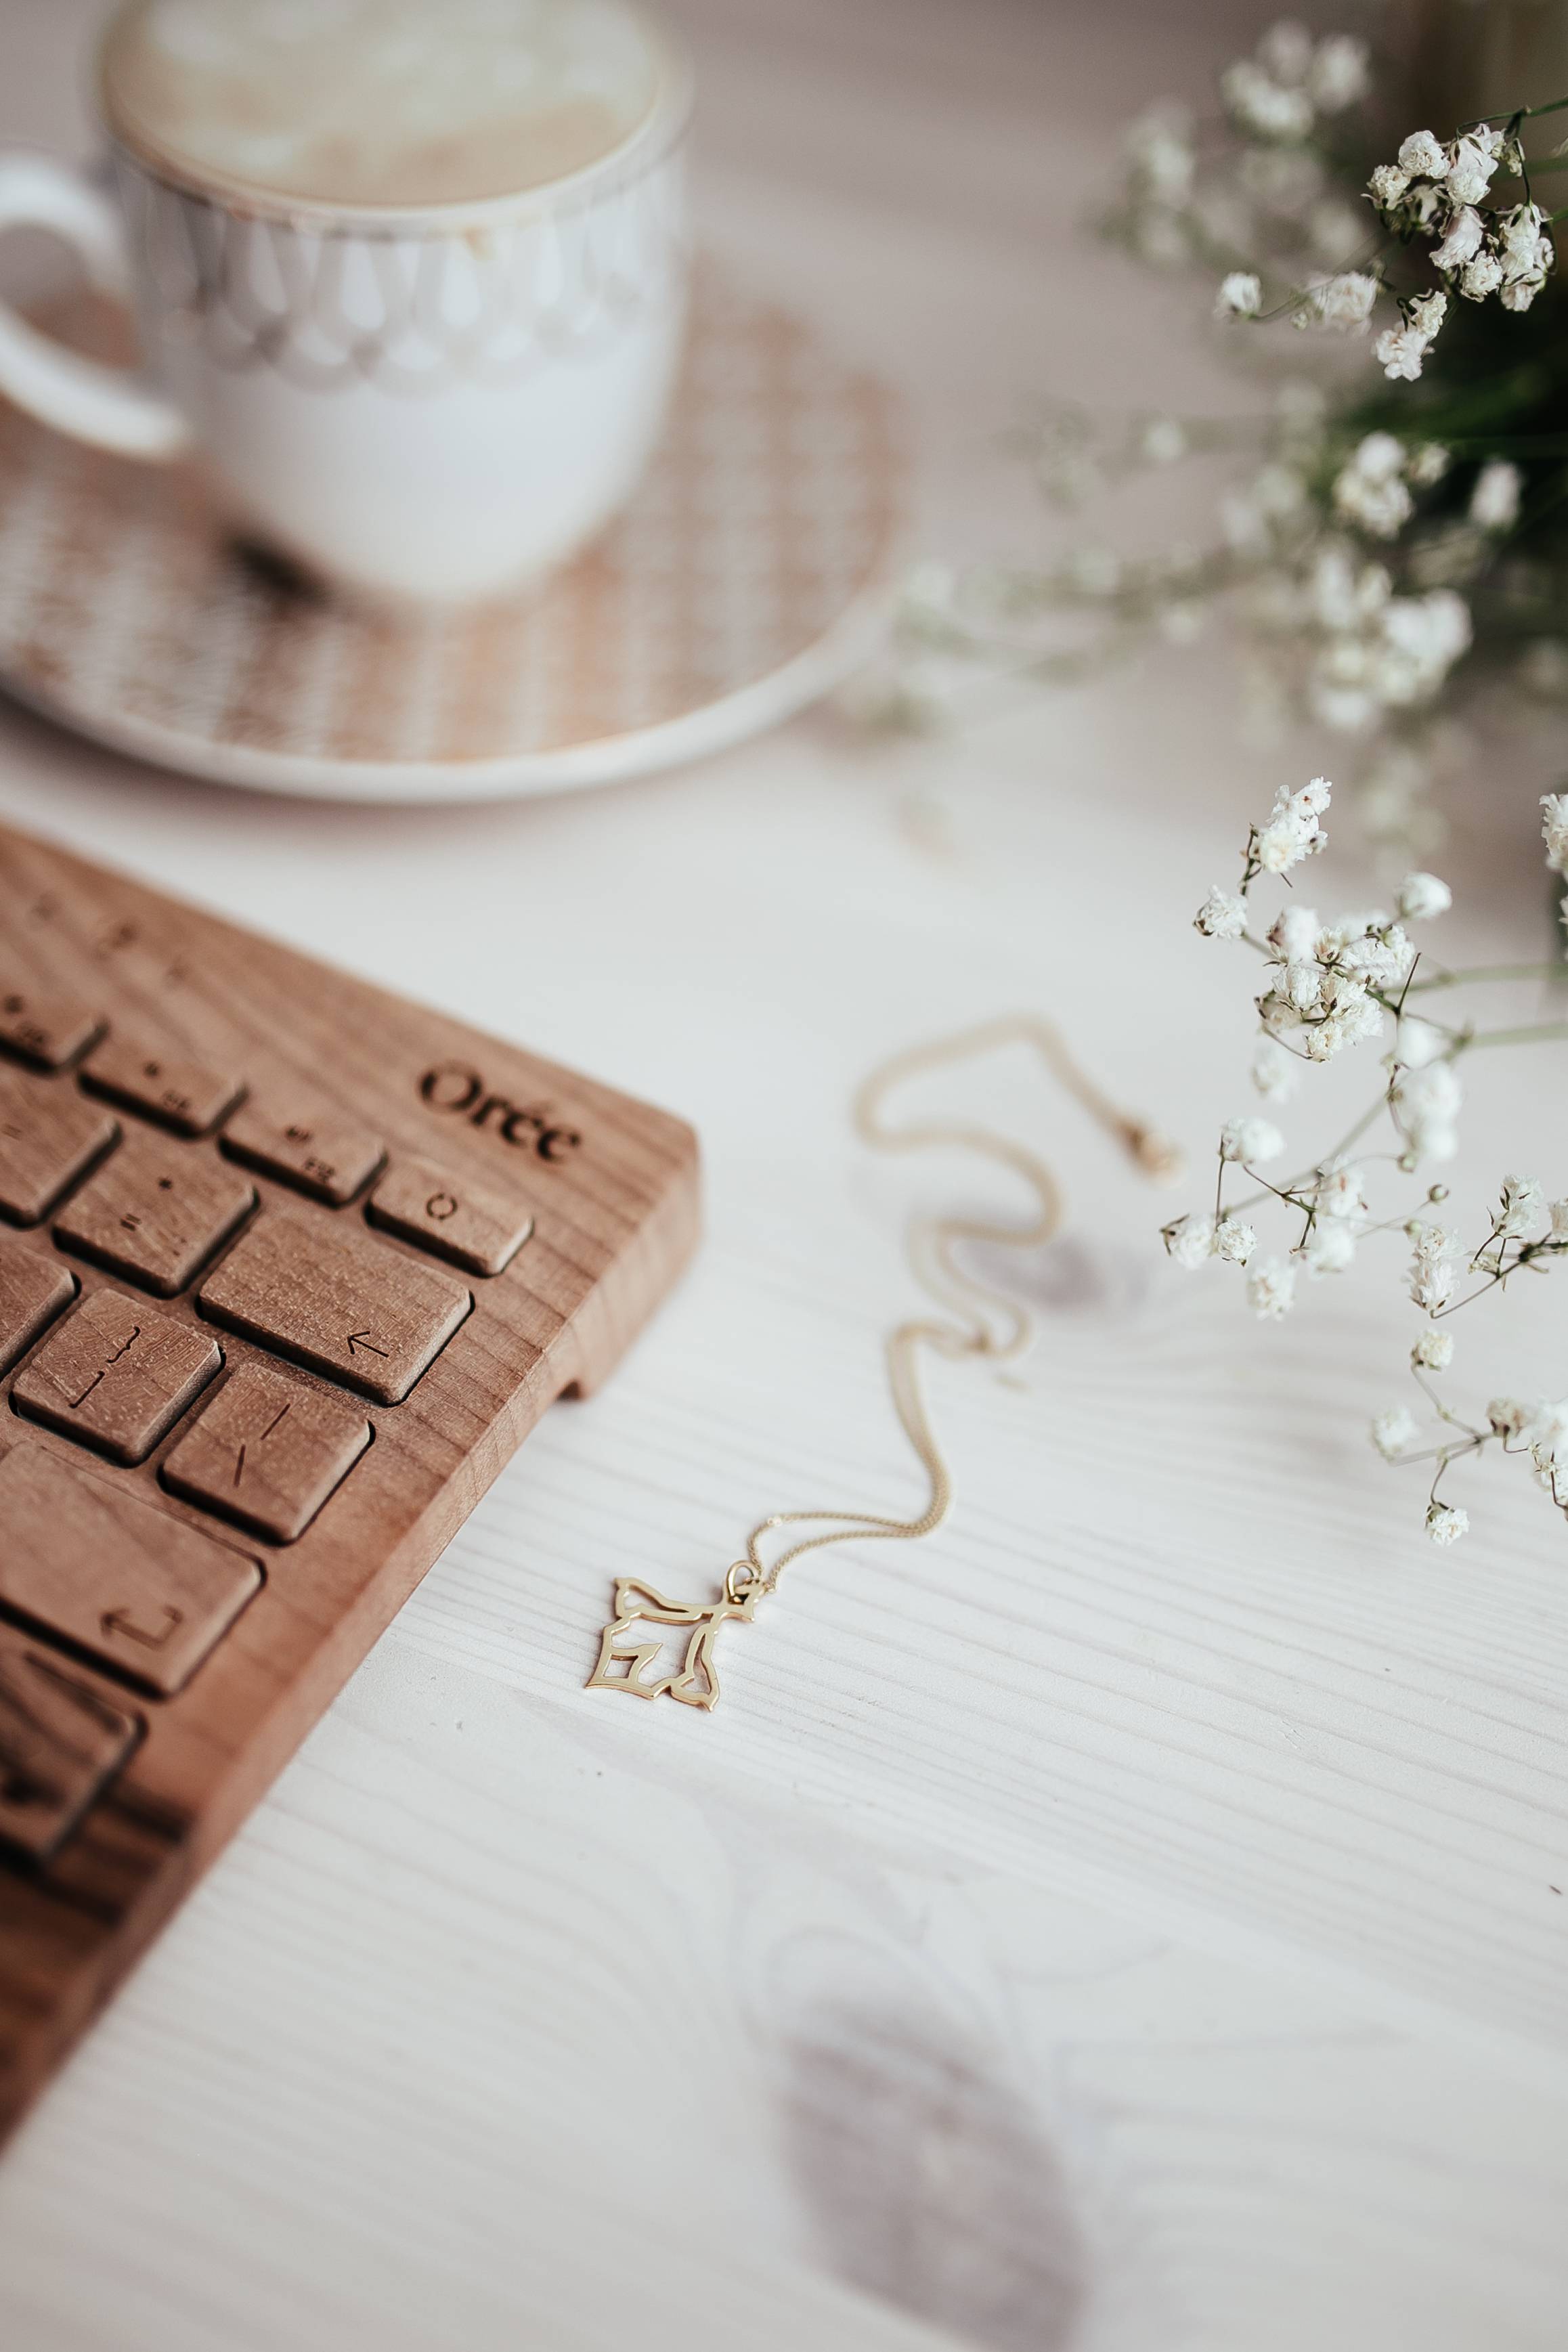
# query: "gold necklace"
{"type": "Point", "coordinates": [985, 1323]}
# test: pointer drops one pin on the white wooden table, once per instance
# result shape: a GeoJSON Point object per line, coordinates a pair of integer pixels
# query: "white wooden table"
{"type": "Point", "coordinates": [1129, 1921]}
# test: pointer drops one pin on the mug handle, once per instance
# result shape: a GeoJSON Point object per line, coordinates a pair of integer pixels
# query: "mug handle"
{"type": "Point", "coordinates": [110, 407]}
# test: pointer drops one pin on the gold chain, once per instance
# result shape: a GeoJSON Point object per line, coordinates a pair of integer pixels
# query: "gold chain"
{"type": "Point", "coordinates": [987, 1323]}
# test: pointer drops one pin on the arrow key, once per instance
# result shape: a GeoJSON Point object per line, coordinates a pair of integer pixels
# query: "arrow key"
{"type": "Point", "coordinates": [337, 1301]}
{"type": "Point", "coordinates": [147, 1594]}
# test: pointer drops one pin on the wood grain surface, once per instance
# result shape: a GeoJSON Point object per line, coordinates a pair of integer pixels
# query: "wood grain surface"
{"type": "Point", "coordinates": [131, 1575]}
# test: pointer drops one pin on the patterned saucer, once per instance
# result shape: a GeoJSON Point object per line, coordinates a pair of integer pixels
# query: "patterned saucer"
{"type": "Point", "coordinates": [749, 577]}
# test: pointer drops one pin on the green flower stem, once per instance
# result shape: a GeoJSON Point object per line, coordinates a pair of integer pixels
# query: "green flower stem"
{"type": "Point", "coordinates": [1552, 972]}
{"type": "Point", "coordinates": [1518, 1036]}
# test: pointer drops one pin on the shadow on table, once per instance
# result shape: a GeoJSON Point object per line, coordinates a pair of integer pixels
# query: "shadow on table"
{"type": "Point", "coordinates": [929, 2183]}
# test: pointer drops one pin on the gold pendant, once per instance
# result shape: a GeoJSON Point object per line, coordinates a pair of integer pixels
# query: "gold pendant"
{"type": "Point", "coordinates": [693, 1682]}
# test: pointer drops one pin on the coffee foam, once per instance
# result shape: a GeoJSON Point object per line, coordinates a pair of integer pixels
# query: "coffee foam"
{"type": "Point", "coordinates": [394, 102]}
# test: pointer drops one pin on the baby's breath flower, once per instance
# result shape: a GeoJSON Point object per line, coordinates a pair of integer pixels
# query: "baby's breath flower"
{"type": "Point", "coordinates": [1340, 1194]}
{"type": "Point", "coordinates": [1329, 1247]}
{"type": "Point", "coordinates": [1276, 1071]}
{"type": "Point", "coordinates": [1159, 146]}
{"type": "Point", "coordinates": [1339, 74]}
{"type": "Point", "coordinates": [1510, 1416]}
{"type": "Point", "coordinates": [1163, 441]}
{"type": "Point", "coordinates": [1421, 898]}
{"type": "Point", "coordinates": [1445, 1523]}
{"type": "Point", "coordinates": [1386, 185]}
{"type": "Point", "coordinates": [1234, 1241]}
{"type": "Point", "coordinates": [1546, 1434]}
{"type": "Point", "coordinates": [1222, 916]}
{"type": "Point", "coordinates": [1271, 1289]}
{"type": "Point", "coordinates": [1401, 353]}
{"type": "Point", "coordinates": [1431, 1283]}
{"type": "Point", "coordinates": [1527, 253]}
{"type": "Point", "coordinates": [1286, 52]}
{"type": "Point", "coordinates": [1353, 1017]}
{"type": "Point", "coordinates": [1253, 1141]}
{"type": "Point", "coordinates": [1280, 845]}
{"type": "Point", "coordinates": [1558, 1212]}
{"type": "Point", "coordinates": [1463, 241]}
{"type": "Point", "coordinates": [1519, 293]}
{"type": "Point", "coordinates": [1480, 277]}
{"type": "Point", "coordinates": [1494, 501]}
{"type": "Point", "coordinates": [1264, 106]}
{"type": "Point", "coordinates": [1554, 829]}
{"type": "Point", "coordinates": [1240, 295]}
{"type": "Point", "coordinates": [1181, 624]}
{"type": "Point", "coordinates": [1190, 1240]}
{"type": "Point", "coordinates": [1393, 1431]}
{"type": "Point", "coordinates": [1370, 490]}
{"type": "Point", "coordinates": [1293, 831]}
{"type": "Point", "coordinates": [1380, 956]}
{"type": "Point", "coordinates": [1378, 457]}
{"type": "Point", "coordinates": [1293, 930]}
{"type": "Point", "coordinates": [1417, 1042]}
{"type": "Point", "coordinates": [1433, 1352]}
{"type": "Point", "coordinates": [1424, 637]}
{"type": "Point", "coordinates": [1344, 301]}
{"type": "Point", "coordinates": [1428, 464]}
{"type": "Point", "coordinates": [1523, 1204]}
{"type": "Point", "coordinates": [1475, 160]}
{"type": "Point", "coordinates": [1426, 1102]}
{"type": "Point", "coordinates": [1428, 312]}
{"type": "Point", "coordinates": [1422, 156]}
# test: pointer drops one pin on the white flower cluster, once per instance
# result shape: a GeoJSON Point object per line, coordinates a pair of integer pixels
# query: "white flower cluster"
{"type": "Point", "coordinates": [1540, 1429]}
{"type": "Point", "coordinates": [1331, 980]}
{"type": "Point", "coordinates": [1524, 1227]}
{"type": "Point", "coordinates": [1438, 191]}
{"type": "Point", "coordinates": [1292, 81]}
{"type": "Point", "coordinates": [1401, 352]}
{"type": "Point", "coordinates": [1240, 295]}
{"type": "Point", "coordinates": [1494, 501]}
{"type": "Point", "coordinates": [1332, 985]}
{"type": "Point", "coordinates": [1344, 301]}
{"type": "Point", "coordinates": [1294, 829]}
{"type": "Point", "coordinates": [1425, 1097]}
{"type": "Point", "coordinates": [1329, 985]}
{"type": "Point", "coordinates": [1554, 833]}
{"type": "Point", "coordinates": [1374, 652]}
{"type": "Point", "coordinates": [1434, 1275]}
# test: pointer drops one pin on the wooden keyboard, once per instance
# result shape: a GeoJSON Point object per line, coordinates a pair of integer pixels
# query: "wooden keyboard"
{"type": "Point", "coordinates": [288, 1267]}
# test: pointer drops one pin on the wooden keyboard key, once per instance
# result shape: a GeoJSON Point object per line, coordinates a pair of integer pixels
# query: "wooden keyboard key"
{"type": "Point", "coordinates": [60, 1743]}
{"type": "Point", "coordinates": [337, 1301]}
{"type": "Point", "coordinates": [470, 1224]}
{"type": "Point", "coordinates": [49, 1138]}
{"type": "Point", "coordinates": [267, 1451]}
{"type": "Point", "coordinates": [33, 1290]}
{"type": "Point", "coordinates": [116, 1374]}
{"type": "Point", "coordinates": [48, 1031]}
{"type": "Point", "coordinates": [156, 1213]}
{"type": "Point", "coordinates": [315, 1151]}
{"type": "Point", "coordinates": [183, 1096]}
{"type": "Point", "coordinates": [124, 1580]}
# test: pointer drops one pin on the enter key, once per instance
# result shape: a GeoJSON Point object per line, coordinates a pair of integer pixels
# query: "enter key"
{"type": "Point", "coordinates": [337, 1301]}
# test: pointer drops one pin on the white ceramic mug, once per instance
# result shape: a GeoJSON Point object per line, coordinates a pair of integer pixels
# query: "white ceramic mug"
{"type": "Point", "coordinates": [436, 403]}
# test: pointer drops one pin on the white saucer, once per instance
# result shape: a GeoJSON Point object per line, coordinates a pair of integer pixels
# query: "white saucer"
{"type": "Point", "coordinates": [750, 576]}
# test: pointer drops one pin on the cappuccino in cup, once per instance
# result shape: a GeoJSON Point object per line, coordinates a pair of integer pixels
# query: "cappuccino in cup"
{"type": "Point", "coordinates": [392, 102]}
{"type": "Point", "coordinates": [409, 274]}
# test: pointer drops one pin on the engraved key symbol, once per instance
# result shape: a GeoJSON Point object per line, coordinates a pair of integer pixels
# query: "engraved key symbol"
{"type": "Point", "coordinates": [239, 1457]}
{"type": "Point", "coordinates": [268, 1451]}
{"type": "Point", "coordinates": [120, 1620]}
